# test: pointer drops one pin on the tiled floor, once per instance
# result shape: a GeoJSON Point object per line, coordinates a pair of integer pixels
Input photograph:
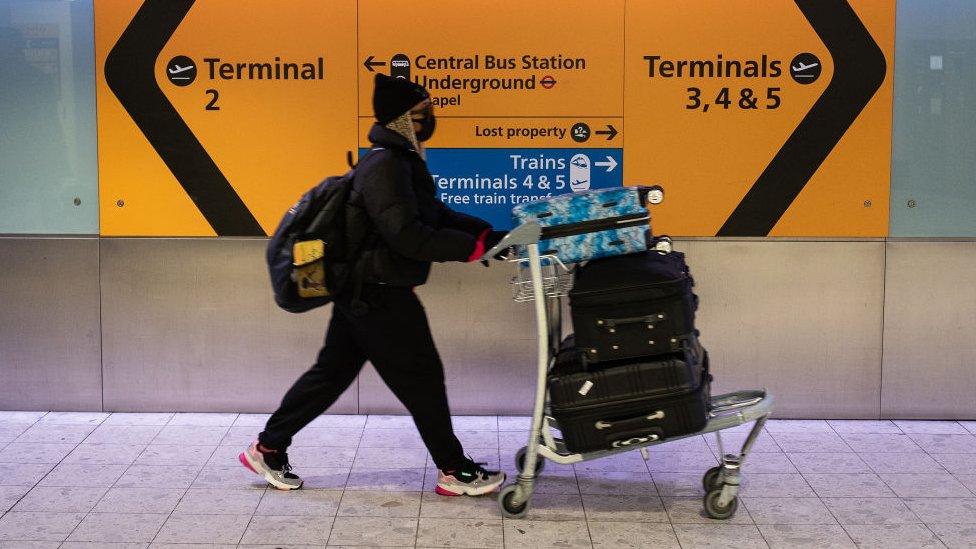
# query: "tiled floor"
{"type": "Point", "coordinates": [89, 480]}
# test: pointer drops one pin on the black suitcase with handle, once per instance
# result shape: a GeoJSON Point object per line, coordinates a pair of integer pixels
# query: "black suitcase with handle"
{"type": "Point", "coordinates": [606, 405]}
{"type": "Point", "coordinates": [633, 305]}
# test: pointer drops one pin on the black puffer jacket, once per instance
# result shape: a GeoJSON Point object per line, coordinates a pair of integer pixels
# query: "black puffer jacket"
{"type": "Point", "coordinates": [413, 227]}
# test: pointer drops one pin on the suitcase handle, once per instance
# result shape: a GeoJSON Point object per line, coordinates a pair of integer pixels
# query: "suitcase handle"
{"type": "Point", "coordinates": [638, 421]}
{"type": "Point", "coordinates": [610, 324]}
{"type": "Point", "coordinates": [639, 438]}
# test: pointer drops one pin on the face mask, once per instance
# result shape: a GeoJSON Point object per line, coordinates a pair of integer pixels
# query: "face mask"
{"type": "Point", "coordinates": [427, 125]}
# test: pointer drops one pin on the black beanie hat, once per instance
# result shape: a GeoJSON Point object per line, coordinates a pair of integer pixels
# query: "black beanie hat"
{"type": "Point", "coordinates": [395, 96]}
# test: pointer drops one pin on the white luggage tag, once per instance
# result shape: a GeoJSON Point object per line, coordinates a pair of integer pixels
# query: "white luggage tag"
{"type": "Point", "coordinates": [585, 388]}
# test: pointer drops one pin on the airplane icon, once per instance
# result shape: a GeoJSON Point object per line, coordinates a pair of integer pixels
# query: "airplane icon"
{"type": "Point", "coordinates": [181, 70]}
{"type": "Point", "coordinates": [800, 67]}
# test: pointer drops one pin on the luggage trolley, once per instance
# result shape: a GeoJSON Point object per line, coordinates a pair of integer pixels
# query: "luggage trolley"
{"type": "Point", "coordinates": [545, 280]}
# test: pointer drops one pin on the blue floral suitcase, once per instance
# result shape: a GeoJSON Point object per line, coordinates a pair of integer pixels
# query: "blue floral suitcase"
{"type": "Point", "coordinates": [588, 225]}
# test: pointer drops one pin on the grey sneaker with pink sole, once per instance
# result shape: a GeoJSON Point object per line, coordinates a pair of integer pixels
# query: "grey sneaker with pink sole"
{"type": "Point", "coordinates": [470, 479]}
{"type": "Point", "coordinates": [272, 465]}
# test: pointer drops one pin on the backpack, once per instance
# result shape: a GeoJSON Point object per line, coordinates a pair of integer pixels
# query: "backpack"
{"type": "Point", "coordinates": [315, 249]}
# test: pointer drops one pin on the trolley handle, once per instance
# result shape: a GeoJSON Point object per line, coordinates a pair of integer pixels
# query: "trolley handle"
{"type": "Point", "coordinates": [612, 323]}
{"type": "Point", "coordinates": [523, 235]}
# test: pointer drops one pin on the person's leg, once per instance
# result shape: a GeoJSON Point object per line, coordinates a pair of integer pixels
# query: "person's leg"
{"type": "Point", "coordinates": [339, 362]}
{"type": "Point", "coordinates": [397, 339]}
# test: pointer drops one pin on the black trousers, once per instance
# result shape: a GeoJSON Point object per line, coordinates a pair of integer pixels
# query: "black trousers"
{"type": "Point", "coordinates": [394, 335]}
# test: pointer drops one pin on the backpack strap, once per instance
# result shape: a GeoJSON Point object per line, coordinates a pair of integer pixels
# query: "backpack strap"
{"type": "Point", "coordinates": [352, 165]}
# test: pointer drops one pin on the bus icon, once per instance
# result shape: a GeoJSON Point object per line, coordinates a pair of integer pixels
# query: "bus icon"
{"type": "Point", "coordinates": [400, 66]}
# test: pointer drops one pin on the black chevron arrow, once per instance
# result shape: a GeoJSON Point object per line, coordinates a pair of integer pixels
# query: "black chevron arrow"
{"type": "Point", "coordinates": [129, 73]}
{"type": "Point", "coordinates": [610, 132]}
{"type": "Point", "coordinates": [369, 63]}
{"type": "Point", "coordinates": [859, 70]}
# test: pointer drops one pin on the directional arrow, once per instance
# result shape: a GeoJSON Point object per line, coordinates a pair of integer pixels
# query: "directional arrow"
{"type": "Point", "coordinates": [129, 73]}
{"type": "Point", "coordinates": [610, 132]}
{"type": "Point", "coordinates": [369, 64]}
{"type": "Point", "coordinates": [610, 164]}
{"type": "Point", "coordinates": [859, 70]}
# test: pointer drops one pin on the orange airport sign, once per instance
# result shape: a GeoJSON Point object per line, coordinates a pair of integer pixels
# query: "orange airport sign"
{"type": "Point", "coordinates": [215, 116]}
{"type": "Point", "coordinates": [758, 119]}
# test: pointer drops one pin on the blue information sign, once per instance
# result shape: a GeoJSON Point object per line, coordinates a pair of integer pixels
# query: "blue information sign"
{"type": "Point", "coordinates": [488, 182]}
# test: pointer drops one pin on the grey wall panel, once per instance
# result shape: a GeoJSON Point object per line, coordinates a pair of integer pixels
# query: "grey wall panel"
{"type": "Point", "coordinates": [800, 318]}
{"type": "Point", "coordinates": [486, 340]}
{"type": "Point", "coordinates": [190, 324]}
{"type": "Point", "coordinates": [930, 331]}
{"type": "Point", "coordinates": [49, 326]}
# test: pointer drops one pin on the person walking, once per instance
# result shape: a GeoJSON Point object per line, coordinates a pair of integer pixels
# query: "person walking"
{"type": "Point", "coordinates": [387, 324]}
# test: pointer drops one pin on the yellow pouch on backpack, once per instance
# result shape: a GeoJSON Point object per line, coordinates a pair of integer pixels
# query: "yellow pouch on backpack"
{"type": "Point", "coordinates": [309, 271]}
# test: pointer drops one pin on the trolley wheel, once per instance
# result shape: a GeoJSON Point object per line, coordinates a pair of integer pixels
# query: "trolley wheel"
{"type": "Point", "coordinates": [540, 463]}
{"type": "Point", "coordinates": [712, 478]}
{"type": "Point", "coordinates": [716, 511]}
{"type": "Point", "coordinates": [510, 510]}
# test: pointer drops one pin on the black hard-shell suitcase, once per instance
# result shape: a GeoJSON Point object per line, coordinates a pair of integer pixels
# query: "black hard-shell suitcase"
{"type": "Point", "coordinates": [633, 305]}
{"type": "Point", "coordinates": [616, 404]}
